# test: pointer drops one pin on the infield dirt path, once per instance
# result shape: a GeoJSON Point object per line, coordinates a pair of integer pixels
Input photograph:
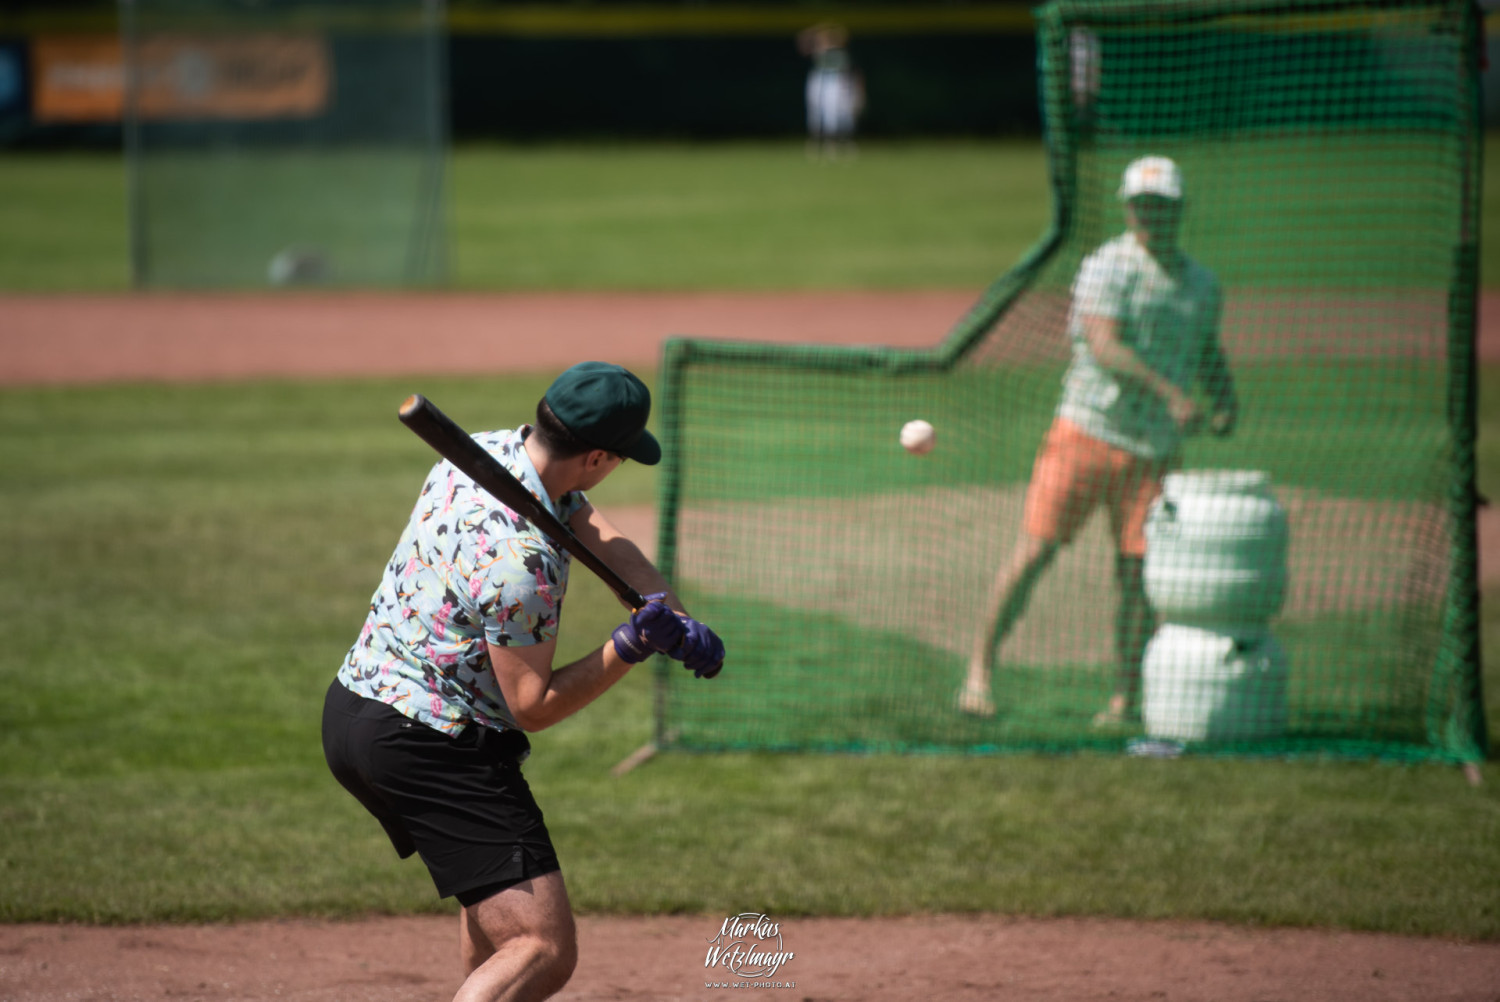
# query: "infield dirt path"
{"type": "Point", "coordinates": [154, 338]}
{"type": "Point", "coordinates": [151, 338]}
{"type": "Point", "coordinates": [915, 959]}
{"type": "Point", "coordinates": [49, 340]}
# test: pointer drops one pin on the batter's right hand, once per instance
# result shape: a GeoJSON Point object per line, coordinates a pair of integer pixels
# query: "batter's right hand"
{"type": "Point", "coordinates": [702, 652]}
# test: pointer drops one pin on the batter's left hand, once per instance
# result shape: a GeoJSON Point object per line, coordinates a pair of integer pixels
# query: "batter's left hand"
{"type": "Point", "coordinates": [653, 628]}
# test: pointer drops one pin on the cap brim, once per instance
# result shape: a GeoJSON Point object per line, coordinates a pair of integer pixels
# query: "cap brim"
{"type": "Point", "coordinates": [1126, 196]}
{"type": "Point", "coordinates": [646, 451]}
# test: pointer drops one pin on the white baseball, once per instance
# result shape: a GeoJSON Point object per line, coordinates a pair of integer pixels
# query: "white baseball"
{"type": "Point", "coordinates": [918, 437]}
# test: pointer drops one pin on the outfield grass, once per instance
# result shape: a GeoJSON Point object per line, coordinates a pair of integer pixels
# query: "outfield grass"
{"type": "Point", "coordinates": [64, 221]}
{"type": "Point", "coordinates": [185, 567]}
{"type": "Point", "coordinates": [720, 216]}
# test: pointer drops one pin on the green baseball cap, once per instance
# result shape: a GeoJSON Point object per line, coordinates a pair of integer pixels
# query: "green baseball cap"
{"type": "Point", "coordinates": [606, 406]}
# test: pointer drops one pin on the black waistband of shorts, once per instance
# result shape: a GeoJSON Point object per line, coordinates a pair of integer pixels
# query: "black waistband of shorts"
{"type": "Point", "coordinates": [506, 745]}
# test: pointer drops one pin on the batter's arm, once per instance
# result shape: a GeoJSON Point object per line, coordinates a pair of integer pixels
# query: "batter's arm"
{"type": "Point", "coordinates": [1103, 337]}
{"type": "Point", "coordinates": [701, 651]}
{"type": "Point", "coordinates": [621, 552]}
{"type": "Point", "coordinates": [538, 695]}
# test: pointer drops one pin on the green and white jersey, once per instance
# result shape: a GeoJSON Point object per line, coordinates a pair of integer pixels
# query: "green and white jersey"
{"type": "Point", "coordinates": [1170, 321]}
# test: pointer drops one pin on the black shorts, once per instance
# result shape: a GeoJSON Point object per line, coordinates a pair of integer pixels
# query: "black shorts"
{"type": "Point", "coordinates": [461, 802]}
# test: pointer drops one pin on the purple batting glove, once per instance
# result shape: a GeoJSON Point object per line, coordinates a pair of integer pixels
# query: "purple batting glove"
{"type": "Point", "coordinates": [653, 628]}
{"type": "Point", "coordinates": [702, 652]}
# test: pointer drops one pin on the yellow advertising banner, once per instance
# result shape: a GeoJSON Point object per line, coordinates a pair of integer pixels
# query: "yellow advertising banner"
{"type": "Point", "coordinates": [82, 78]}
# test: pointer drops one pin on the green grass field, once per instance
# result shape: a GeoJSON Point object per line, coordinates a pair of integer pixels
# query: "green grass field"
{"type": "Point", "coordinates": [723, 216]}
{"type": "Point", "coordinates": [185, 567]}
{"type": "Point", "coordinates": [726, 216]}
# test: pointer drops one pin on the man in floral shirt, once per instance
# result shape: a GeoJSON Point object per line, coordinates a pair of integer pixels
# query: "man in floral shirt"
{"type": "Point", "coordinates": [425, 721]}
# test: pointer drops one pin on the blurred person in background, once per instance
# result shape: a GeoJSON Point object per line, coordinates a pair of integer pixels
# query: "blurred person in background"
{"type": "Point", "coordinates": [835, 91]}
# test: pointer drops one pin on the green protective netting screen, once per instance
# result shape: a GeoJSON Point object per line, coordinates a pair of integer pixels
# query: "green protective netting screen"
{"type": "Point", "coordinates": [285, 143]}
{"type": "Point", "coordinates": [1330, 155]}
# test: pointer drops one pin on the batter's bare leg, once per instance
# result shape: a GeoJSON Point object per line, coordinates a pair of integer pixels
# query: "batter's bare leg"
{"type": "Point", "coordinates": [520, 945]}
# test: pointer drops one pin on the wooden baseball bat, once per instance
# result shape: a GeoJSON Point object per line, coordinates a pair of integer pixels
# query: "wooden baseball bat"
{"type": "Point", "coordinates": [459, 448]}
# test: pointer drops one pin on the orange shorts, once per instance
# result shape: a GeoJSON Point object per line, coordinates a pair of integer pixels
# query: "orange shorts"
{"type": "Point", "coordinates": [1075, 473]}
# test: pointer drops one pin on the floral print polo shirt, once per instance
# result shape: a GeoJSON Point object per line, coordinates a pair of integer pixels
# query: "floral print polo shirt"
{"type": "Point", "coordinates": [467, 571]}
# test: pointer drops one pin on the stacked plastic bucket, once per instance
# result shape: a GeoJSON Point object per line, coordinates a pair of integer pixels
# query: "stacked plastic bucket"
{"type": "Point", "coordinates": [1216, 545]}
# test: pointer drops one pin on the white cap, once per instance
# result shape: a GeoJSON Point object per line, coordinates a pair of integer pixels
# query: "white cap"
{"type": "Point", "coordinates": [1151, 176]}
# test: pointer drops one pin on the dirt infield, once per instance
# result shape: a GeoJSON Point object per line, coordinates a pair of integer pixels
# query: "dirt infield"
{"type": "Point", "coordinates": [48, 340]}
{"type": "Point", "coordinates": [151, 338]}
{"type": "Point", "coordinates": [952, 958]}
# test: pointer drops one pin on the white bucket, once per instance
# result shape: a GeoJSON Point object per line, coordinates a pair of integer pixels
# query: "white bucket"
{"type": "Point", "coordinates": [1216, 544]}
{"type": "Point", "coordinates": [1198, 685]}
